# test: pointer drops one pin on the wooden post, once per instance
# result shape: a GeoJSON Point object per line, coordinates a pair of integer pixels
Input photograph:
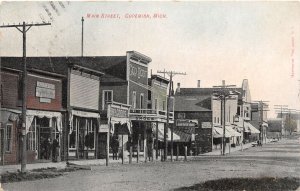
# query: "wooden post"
{"type": "Point", "coordinates": [185, 153]}
{"type": "Point", "coordinates": [130, 154]}
{"type": "Point", "coordinates": [152, 148]}
{"type": "Point", "coordinates": [145, 144]}
{"type": "Point", "coordinates": [156, 140]}
{"type": "Point", "coordinates": [2, 141]}
{"type": "Point", "coordinates": [138, 149]}
{"type": "Point", "coordinates": [162, 154]}
{"type": "Point", "coordinates": [77, 138]}
{"type": "Point", "coordinates": [177, 151]}
{"type": "Point", "coordinates": [107, 145]}
{"type": "Point", "coordinates": [122, 150]}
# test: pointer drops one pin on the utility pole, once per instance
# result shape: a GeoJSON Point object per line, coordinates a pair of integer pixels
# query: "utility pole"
{"type": "Point", "coordinates": [280, 109]}
{"type": "Point", "coordinates": [261, 109]}
{"type": "Point", "coordinates": [171, 92]}
{"type": "Point", "coordinates": [82, 21]}
{"type": "Point", "coordinates": [23, 28]}
{"type": "Point", "coordinates": [222, 94]}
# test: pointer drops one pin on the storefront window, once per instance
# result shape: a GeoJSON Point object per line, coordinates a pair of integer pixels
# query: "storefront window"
{"type": "Point", "coordinates": [107, 97]}
{"type": "Point", "coordinates": [8, 138]}
{"type": "Point", "coordinates": [89, 137]}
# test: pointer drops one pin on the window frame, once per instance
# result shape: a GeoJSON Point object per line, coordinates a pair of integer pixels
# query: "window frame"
{"type": "Point", "coordinates": [6, 138]}
{"type": "Point", "coordinates": [142, 100]}
{"type": "Point", "coordinates": [103, 97]}
{"type": "Point", "coordinates": [133, 100]}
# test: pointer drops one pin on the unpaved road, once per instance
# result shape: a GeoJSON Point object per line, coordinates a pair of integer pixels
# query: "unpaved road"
{"type": "Point", "coordinates": [280, 159]}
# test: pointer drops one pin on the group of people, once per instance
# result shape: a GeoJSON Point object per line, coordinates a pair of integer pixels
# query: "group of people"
{"type": "Point", "coordinates": [49, 148]}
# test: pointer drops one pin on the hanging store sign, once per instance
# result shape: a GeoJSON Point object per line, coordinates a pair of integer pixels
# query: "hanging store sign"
{"type": "Point", "coordinates": [186, 123]}
{"type": "Point", "coordinates": [118, 112]}
{"type": "Point", "coordinates": [206, 125]}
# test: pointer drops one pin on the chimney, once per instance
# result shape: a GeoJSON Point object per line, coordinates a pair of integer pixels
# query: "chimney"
{"type": "Point", "coordinates": [178, 88]}
{"type": "Point", "coordinates": [223, 82]}
{"type": "Point", "coordinates": [198, 85]}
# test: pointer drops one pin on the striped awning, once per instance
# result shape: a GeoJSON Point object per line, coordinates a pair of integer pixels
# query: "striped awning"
{"type": "Point", "coordinates": [176, 137]}
{"type": "Point", "coordinates": [218, 132]}
{"type": "Point", "coordinates": [251, 128]}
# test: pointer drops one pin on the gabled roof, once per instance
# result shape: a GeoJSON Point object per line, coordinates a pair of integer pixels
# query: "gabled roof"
{"type": "Point", "coordinates": [193, 103]}
{"type": "Point", "coordinates": [205, 91]}
{"type": "Point", "coordinates": [159, 78]}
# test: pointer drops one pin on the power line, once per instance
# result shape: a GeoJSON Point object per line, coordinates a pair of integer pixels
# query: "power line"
{"type": "Point", "coordinates": [23, 28]}
{"type": "Point", "coordinates": [222, 94]}
{"type": "Point", "coordinates": [171, 93]}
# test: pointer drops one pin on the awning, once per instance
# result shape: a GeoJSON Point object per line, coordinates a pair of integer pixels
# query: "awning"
{"type": "Point", "coordinates": [9, 115]}
{"type": "Point", "coordinates": [30, 114]}
{"type": "Point", "coordinates": [251, 128]}
{"type": "Point", "coordinates": [116, 120]}
{"type": "Point", "coordinates": [186, 134]}
{"type": "Point", "coordinates": [84, 114]}
{"type": "Point", "coordinates": [161, 132]}
{"type": "Point", "coordinates": [233, 132]}
{"type": "Point", "coordinates": [218, 132]}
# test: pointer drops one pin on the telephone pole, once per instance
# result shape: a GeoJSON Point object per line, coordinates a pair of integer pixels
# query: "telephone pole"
{"type": "Point", "coordinates": [23, 28]}
{"type": "Point", "coordinates": [222, 94]}
{"type": "Point", "coordinates": [261, 109]}
{"type": "Point", "coordinates": [82, 21]}
{"type": "Point", "coordinates": [171, 93]}
{"type": "Point", "coordinates": [280, 109]}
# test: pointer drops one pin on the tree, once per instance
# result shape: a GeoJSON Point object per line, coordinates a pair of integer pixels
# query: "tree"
{"type": "Point", "coordinates": [290, 125]}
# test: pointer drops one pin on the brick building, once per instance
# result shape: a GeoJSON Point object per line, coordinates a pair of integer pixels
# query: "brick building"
{"type": "Point", "coordinates": [43, 115]}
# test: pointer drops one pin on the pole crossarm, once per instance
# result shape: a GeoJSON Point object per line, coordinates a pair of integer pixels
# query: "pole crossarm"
{"type": "Point", "coordinates": [171, 74]}
{"type": "Point", "coordinates": [28, 25]}
{"type": "Point", "coordinates": [23, 30]}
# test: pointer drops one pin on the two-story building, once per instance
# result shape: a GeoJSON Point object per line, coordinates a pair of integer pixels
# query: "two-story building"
{"type": "Point", "coordinates": [43, 109]}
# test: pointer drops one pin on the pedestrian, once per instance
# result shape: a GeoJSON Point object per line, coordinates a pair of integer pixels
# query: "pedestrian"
{"type": "Point", "coordinates": [46, 148]}
{"type": "Point", "coordinates": [55, 148]}
{"type": "Point", "coordinates": [115, 147]}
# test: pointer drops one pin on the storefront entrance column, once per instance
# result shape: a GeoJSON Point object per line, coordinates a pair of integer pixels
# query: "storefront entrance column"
{"type": "Point", "coordinates": [156, 136]}
{"type": "Point", "coordinates": [2, 145]}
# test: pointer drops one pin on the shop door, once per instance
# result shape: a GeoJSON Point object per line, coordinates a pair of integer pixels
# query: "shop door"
{"type": "Point", "coordinates": [81, 136]}
{"type": "Point", "coordinates": [44, 139]}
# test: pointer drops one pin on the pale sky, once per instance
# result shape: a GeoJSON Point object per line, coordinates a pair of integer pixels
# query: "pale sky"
{"type": "Point", "coordinates": [210, 41]}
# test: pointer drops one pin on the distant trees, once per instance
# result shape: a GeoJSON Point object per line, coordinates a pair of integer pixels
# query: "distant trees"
{"type": "Point", "coordinates": [290, 125]}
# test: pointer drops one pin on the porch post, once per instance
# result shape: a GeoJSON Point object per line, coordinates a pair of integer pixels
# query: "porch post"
{"type": "Point", "coordinates": [145, 142]}
{"type": "Point", "coordinates": [138, 148]}
{"type": "Point", "coordinates": [156, 136]}
{"type": "Point", "coordinates": [77, 138]}
{"type": "Point", "coordinates": [107, 144]}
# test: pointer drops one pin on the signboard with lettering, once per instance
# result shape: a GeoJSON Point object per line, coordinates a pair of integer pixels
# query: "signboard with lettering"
{"type": "Point", "coordinates": [186, 123]}
{"type": "Point", "coordinates": [137, 71]}
{"type": "Point", "coordinates": [118, 112]}
{"type": "Point", "coordinates": [206, 125]}
{"type": "Point", "coordinates": [45, 91]}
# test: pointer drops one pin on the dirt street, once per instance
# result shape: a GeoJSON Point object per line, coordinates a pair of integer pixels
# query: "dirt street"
{"type": "Point", "coordinates": [278, 159]}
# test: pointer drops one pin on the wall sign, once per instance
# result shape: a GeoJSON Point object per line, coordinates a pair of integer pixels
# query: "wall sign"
{"type": "Point", "coordinates": [137, 72]}
{"type": "Point", "coordinates": [206, 125]}
{"type": "Point", "coordinates": [118, 112]}
{"type": "Point", "coordinates": [45, 91]}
